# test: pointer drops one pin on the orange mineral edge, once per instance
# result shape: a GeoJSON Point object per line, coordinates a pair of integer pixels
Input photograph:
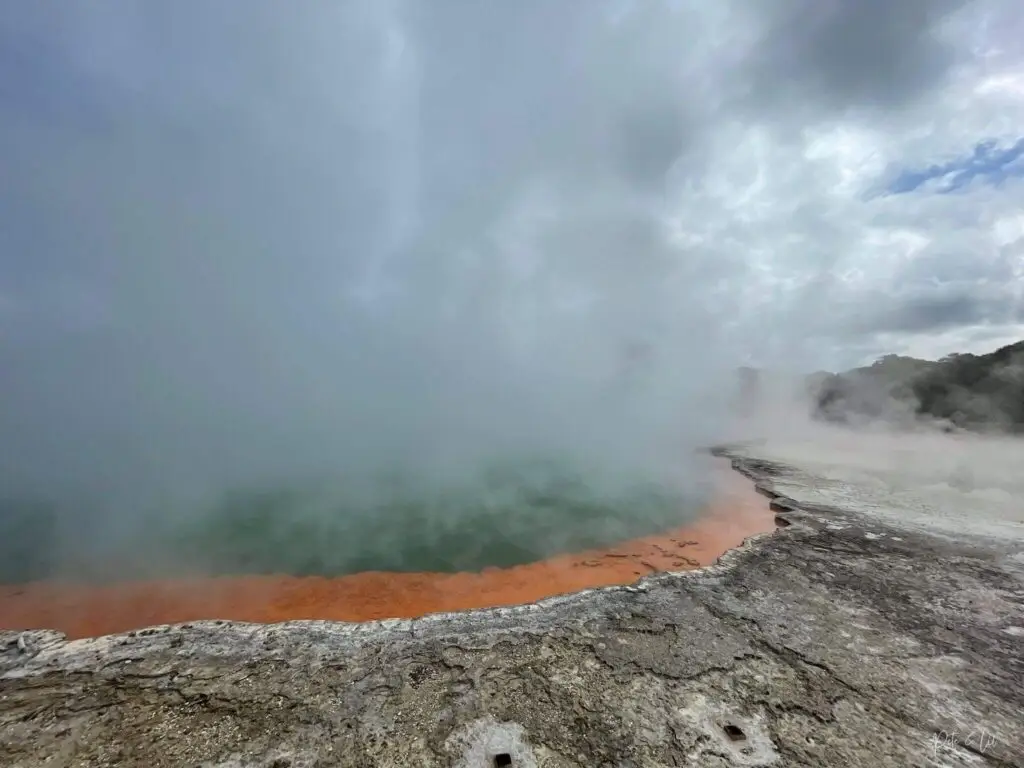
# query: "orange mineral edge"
{"type": "Point", "coordinates": [93, 610]}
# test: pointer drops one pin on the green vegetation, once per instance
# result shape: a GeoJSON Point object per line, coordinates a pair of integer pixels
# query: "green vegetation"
{"type": "Point", "coordinates": [974, 392]}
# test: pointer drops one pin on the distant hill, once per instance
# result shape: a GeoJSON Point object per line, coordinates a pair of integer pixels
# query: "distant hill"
{"type": "Point", "coordinates": [974, 392]}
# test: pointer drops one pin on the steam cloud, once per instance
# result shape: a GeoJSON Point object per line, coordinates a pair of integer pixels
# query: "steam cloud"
{"type": "Point", "coordinates": [329, 244]}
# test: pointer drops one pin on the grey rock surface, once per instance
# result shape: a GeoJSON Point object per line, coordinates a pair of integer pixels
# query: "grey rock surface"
{"type": "Point", "coordinates": [844, 639]}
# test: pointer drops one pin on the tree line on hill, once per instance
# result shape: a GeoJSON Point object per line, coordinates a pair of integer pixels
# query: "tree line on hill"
{"type": "Point", "coordinates": [960, 391]}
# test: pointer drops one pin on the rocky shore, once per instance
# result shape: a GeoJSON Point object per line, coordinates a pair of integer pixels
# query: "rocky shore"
{"type": "Point", "coordinates": [847, 638]}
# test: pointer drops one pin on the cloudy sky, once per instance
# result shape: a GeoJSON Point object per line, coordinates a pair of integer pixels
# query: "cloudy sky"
{"type": "Point", "coordinates": [269, 225]}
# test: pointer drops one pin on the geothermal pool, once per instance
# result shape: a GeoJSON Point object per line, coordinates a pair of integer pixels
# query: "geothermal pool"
{"type": "Point", "coordinates": [270, 571]}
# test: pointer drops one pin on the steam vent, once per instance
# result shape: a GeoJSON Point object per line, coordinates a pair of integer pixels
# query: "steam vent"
{"type": "Point", "coordinates": [267, 556]}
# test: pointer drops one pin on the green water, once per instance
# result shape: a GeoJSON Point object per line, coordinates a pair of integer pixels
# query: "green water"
{"type": "Point", "coordinates": [506, 515]}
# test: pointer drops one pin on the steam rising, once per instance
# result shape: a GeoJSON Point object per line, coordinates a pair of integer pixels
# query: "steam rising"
{"type": "Point", "coordinates": [384, 248]}
{"type": "Point", "coordinates": [472, 275]}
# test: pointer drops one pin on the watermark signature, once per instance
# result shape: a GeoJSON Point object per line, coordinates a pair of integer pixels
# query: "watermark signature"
{"type": "Point", "coordinates": [978, 739]}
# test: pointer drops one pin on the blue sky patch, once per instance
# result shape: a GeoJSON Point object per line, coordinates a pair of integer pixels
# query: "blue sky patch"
{"type": "Point", "coordinates": [989, 162]}
{"type": "Point", "coordinates": [39, 81]}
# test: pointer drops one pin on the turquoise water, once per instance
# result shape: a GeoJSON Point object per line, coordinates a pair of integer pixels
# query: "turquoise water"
{"type": "Point", "coordinates": [508, 514]}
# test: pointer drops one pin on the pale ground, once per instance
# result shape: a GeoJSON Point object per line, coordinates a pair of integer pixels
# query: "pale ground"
{"type": "Point", "coordinates": [960, 484]}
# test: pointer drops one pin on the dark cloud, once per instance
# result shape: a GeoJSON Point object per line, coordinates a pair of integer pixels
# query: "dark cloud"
{"type": "Point", "coordinates": [935, 308]}
{"type": "Point", "coordinates": [935, 312]}
{"type": "Point", "coordinates": [847, 54]}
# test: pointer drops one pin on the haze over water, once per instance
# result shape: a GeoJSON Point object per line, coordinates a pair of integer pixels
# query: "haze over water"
{"type": "Point", "coordinates": [413, 278]}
